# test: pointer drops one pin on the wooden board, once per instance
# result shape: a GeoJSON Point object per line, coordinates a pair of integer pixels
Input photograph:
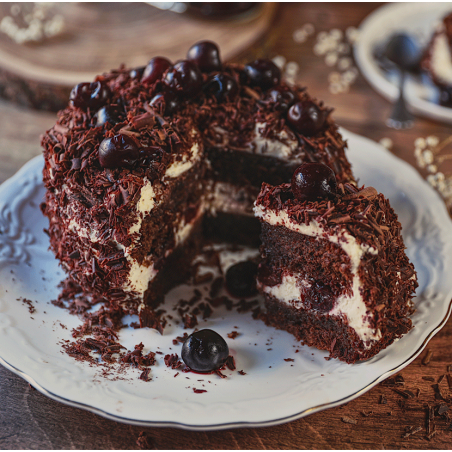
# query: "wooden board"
{"type": "Point", "coordinates": [100, 36]}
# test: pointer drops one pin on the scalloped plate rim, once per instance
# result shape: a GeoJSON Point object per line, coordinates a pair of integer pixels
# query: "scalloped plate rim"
{"type": "Point", "coordinates": [227, 425]}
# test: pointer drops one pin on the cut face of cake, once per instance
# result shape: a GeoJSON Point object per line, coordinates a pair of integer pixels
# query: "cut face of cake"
{"type": "Point", "coordinates": [144, 163]}
{"type": "Point", "coordinates": [334, 272]}
{"type": "Point", "coordinates": [438, 60]}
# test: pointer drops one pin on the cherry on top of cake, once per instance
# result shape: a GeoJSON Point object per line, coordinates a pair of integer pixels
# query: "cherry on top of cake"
{"type": "Point", "coordinates": [197, 92]}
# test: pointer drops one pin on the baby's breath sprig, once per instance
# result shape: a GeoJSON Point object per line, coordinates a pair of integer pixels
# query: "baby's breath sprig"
{"type": "Point", "coordinates": [429, 157]}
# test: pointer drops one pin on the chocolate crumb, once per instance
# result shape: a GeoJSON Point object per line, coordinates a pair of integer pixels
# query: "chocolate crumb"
{"type": "Point", "coordinates": [145, 442]}
{"type": "Point", "coordinates": [198, 391]}
{"type": "Point", "coordinates": [427, 357]}
{"type": "Point", "coordinates": [412, 431]}
{"type": "Point", "coordinates": [366, 414]}
{"type": "Point", "coordinates": [348, 420]}
{"type": "Point", "coordinates": [230, 362]}
{"type": "Point", "coordinates": [190, 321]}
{"type": "Point", "coordinates": [449, 380]}
{"type": "Point", "coordinates": [233, 334]}
{"type": "Point", "coordinates": [176, 374]}
{"type": "Point", "coordinates": [289, 359]}
{"type": "Point", "coordinates": [383, 400]}
{"type": "Point", "coordinates": [173, 361]}
{"type": "Point", "coordinates": [145, 375]}
{"type": "Point", "coordinates": [241, 372]}
{"type": "Point", "coordinates": [428, 378]}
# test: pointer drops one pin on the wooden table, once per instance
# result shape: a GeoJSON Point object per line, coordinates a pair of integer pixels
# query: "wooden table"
{"type": "Point", "coordinates": [384, 418]}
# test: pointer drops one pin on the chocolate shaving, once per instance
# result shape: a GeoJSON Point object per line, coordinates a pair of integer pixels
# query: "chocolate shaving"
{"type": "Point", "coordinates": [348, 420]}
{"type": "Point", "coordinates": [427, 357]}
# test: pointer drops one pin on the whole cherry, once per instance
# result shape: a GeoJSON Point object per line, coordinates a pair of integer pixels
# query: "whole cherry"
{"type": "Point", "coordinates": [165, 103]}
{"type": "Point", "coordinates": [206, 55]}
{"type": "Point", "coordinates": [119, 150]}
{"type": "Point", "coordinates": [204, 351]}
{"type": "Point", "coordinates": [184, 78]}
{"type": "Point", "coordinates": [108, 113]}
{"type": "Point", "coordinates": [241, 279]}
{"type": "Point", "coordinates": [313, 181]}
{"type": "Point", "coordinates": [281, 96]}
{"type": "Point", "coordinates": [306, 117]}
{"type": "Point", "coordinates": [262, 73]}
{"type": "Point", "coordinates": [155, 70]}
{"type": "Point", "coordinates": [222, 86]}
{"type": "Point", "coordinates": [90, 95]}
{"type": "Point", "coordinates": [137, 72]}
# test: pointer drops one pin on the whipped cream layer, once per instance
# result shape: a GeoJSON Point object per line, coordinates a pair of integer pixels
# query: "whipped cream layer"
{"type": "Point", "coordinates": [350, 307]}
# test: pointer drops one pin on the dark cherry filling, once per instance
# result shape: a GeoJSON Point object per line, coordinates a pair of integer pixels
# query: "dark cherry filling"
{"type": "Point", "coordinates": [108, 113]}
{"type": "Point", "coordinates": [117, 151]}
{"type": "Point", "coordinates": [306, 117]}
{"type": "Point", "coordinates": [222, 86]}
{"type": "Point", "coordinates": [206, 55]}
{"type": "Point", "coordinates": [204, 351]}
{"type": "Point", "coordinates": [268, 276]}
{"type": "Point", "coordinates": [90, 95]}
{"type": "Point", "coordinates": [321, 297]}
{"type": "Point", "coordinates": [155, 70]}
{"type": "Point", "coordinates": [313, 181]}
{"type": "Point", "coordinates": [241, 279]}
{"type": "Point", "coordinates": [184, 78]}
{"type": "Point", "coordinates": [263, 73]}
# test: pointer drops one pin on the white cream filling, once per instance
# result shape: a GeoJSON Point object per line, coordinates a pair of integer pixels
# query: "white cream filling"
{"type": "Point", "coordinates": [179, 167]}
{"type": "Point", "coordinates": [441, 58]}
{"type": "Point", "coordinates": [352, 307]}
{"type": "Point", "coordinates": [282, 148]}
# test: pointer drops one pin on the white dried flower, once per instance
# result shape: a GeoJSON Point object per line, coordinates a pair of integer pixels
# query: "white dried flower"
{"type": "Point", "coordinates": [334, 77]}
{"type": "Point", "coordinates": [386, 143]}
{"type": "Point", "coordinates": [440, 176]}
{"type": "Point", "coordinates": [309, 28]}
{"type": "Point", "coordinates": [319, 50]}
{"type": "Point", "coordinates": [336, 34]}
{"type": "Point", "coordinates": [431, 180]}
{"type": "Point", "coordinates": [331, 59]}
{"type": "Point", "coordinates": [432, 141]}
{"type": "Point", "coordinates": [420, 143]}
{"type": "Point", "coordinates": [279, 60]}
{"type": "Point", "coordinates": [344, 48]}
{"type": "Point", "coordinates": [300, 35]}
{"type": "Point", "coordinates": [292, 68]}
{"type": "Point", "coordinates": [334, 88]}
{"type": "Point", "coordinates": [15, 9]}
{"type": "Point", "coordinates": [432, 168]}
{"type": "Point", "coordinates": [428, 156]}
{"type": "Point", "coordinates": [352, 34]}
{"type": "Point", "coordinates": [344, 63]}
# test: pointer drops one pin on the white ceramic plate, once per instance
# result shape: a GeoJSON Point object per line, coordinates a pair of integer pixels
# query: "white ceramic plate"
{"type": "Point", "coordinates": [273, 391]}
{"type": "Point", "coordinates": [417, 19]}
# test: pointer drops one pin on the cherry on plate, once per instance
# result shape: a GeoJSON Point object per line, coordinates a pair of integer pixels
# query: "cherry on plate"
{"type": "Point", "coordinates": [204, 351]}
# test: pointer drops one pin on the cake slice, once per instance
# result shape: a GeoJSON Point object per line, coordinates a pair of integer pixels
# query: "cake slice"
{"type": "Point", "coordinates": [334, 272]}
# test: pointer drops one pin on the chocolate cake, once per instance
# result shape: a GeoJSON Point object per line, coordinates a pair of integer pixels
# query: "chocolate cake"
{"type": "Point", "coordinates": [437, 61]}
{"type": "Point", "coordinates": [334, 272]}
{"type": "Point", "coordinates": [145, 163]}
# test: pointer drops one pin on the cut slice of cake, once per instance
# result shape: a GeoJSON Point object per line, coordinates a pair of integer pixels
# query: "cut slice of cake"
{"type": "Point", "coordinates": [334, 271]}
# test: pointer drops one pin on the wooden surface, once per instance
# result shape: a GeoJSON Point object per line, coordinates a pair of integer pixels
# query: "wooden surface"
{"type": "Point", "coordinates": [98, 37]}
{"type": "Point", "coordinates": [29, 420]}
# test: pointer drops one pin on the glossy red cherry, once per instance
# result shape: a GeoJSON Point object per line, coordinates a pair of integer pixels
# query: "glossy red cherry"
{"type": "Point", "coordinates": [313, 181]}
{"type": "Point", "coordinates": [241, 279]}
{"type": "Point", "coordinates": [90, 95]}
{"type": "Point", "coordinates": [206, 55]}
{"type": "Point", "coordinates": [281, 96]}
{"type": "Point", "coordinates": [222, 86]}
{"type": "Point", "coordinates": [165, 103]}
{"type": "Point", "coordinates": [108, 113]}
{"type": "Point", "coordinates": [155, 70]}
{"type": "Point", "coordinates": [204, 351]}
{"type": "Point", "coordinates": [184, 78]}
{"type": "Point", "coordinates": [263, 73]}
{"type": "Point", "coordinates": [306, 117]}
{"type": "Point", "coordinates": [117, 151]}
{"type": "Point", "coordinates": [137, 73]}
